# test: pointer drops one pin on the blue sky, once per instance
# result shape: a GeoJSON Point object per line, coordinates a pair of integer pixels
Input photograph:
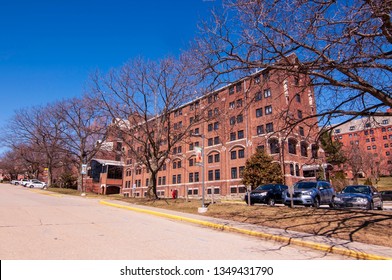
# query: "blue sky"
{"type": "Point", "coordinates": [49, 48]}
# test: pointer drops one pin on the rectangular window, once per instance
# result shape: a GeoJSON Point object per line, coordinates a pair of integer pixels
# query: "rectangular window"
{"type": "Point", "coordinates": [179, 179]}
{"type": "Point", "coordinates": [241, 153]}
{"type": "Point", "coordinates": [238, 87]}
{"type": "Point", "coordinates": [210, 141]}
{"type": "Point", "coordinates": [298, 98]}
{"type": "Point", "coordinates": [196, 176]}
{"type": "Point", "coordinates": [210, 175]}
{"type": "Point", "coordinates": [217, 157]}
{"type": "Point", "coordinates": [258, 96]}
{"type": "Point", "coordinates": [268, 110]}
{"type": "Point", "coordinates": [260, 129]}
{"type": "Point", "coordinates": [216, 140]}
{"type": "Point", "coordinates": [233, 136]}
{"type": "Point", "coordinates": [241, 171]}
{"type": "Point", "coordinates": [216, 125]}
{"type": "Point", "coordinates": [269, 127]}
{"type": "Point", "coordinates": [240, 119]}
{"type": "Point", "coordinates": [299, 114]}
{"type": "Point", "coordinates": [233, 154]}
{"type": "Point", "coordinates": [240, 134]}
{"type": "Point", "coordinates": [174, 179]}
{"type": "Point", "coordinates": [210, 159]}
{"type": "Point", "coordinates": [231, 90]}
{"type": "Point", "coordinates": [232, 105]}
{"type": "Point", "coordinates": [190, 177]}
{"type": "Point", "coordinates": [209, 113]}
{"type": "Point", "coordinates": [267, 93]}
{"type": "Point", "coordinates": [232, 120]}
{"type": "Point", "coordinates": [259, 112]}
{"type": "Point", "coordinates": [301, 131]}
{"type": "Point", "coordinates": [217, 174]}
{"type": "Point", "coordinates": [209, 127]}
{"type": "Point", "coordinates": [239, 103]}
{"type": "Point", "coordinates": [234, 174]}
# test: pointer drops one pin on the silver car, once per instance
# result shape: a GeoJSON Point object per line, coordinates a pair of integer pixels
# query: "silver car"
{"type": "Point", "coordinates": [311, 193]}
{"type": "Point", "coordinates": [35, 184]}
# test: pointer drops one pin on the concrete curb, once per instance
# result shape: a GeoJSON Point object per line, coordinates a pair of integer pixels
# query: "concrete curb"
{"type": "Point", "coordinates": [267, 236]}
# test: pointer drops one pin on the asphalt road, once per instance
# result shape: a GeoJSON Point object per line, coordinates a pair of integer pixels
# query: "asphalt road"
{"type": "Point", "coordinates": [55, 227]}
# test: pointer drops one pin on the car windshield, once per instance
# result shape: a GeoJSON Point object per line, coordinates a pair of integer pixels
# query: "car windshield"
{"type": "Point", "coordinates": [356, 189]}
{"type": "Point", "coordinates": [265, 188]}
{"type": "Point", "coordinates": [305, 185]}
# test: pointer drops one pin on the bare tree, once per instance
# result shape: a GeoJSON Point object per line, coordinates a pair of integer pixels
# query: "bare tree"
{"type": "Point", "coordinates": [143, 97]}
{"type": "Point", "coordinates": [36, 134]}
{"type": "Point", "coordinates": [343, 46]}
{"type": "Point", "coordinates": [11, 163]}
{"type": "Point", "coordinates": [84, 129]}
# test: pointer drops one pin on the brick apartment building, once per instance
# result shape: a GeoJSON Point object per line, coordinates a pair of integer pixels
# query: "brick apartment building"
{"type": "Point", "coordinates": [368, 141]}
{"type": "Point", "coordinates": [241, 117]}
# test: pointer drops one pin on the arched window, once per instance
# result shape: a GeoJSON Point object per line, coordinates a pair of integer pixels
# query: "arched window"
{"type": "Point", "coordinates": [291, 169]}
{"type": "Point", "coordinates": [274, 146]}
{"type": "Point", "coordinates": [213, 157]}
{"type": "Point", "coordinates": [292, 144]}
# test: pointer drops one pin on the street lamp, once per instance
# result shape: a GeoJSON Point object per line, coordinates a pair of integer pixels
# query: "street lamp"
{"type": "Point", "coordinates": [200, 161]}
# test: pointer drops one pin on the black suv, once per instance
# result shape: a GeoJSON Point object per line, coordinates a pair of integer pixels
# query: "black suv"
{"type": "Point", "coordinates": [311, 193]}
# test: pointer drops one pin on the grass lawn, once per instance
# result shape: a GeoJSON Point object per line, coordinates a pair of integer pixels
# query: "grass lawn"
{"type": "Point", "coordinates": [372, 227]}
{"type": "Point", "coordinates": [385, 183]}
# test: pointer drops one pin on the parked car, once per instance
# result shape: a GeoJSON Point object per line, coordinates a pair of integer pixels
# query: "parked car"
{"type": "Point", "coordinates": [35, 184]}
{"type": "Point", "coordinates": [359, 196]}
{"type": "Point", "coordinates": [14, 182]}
{"type": "Point", "coordinates": [267, 194]}
{"type": "Point", "coordinates": [386, 195]}
{"type": "Point", "coordinates": [22, 182]}
{"type": "Point", "coordinates": [311, 193]}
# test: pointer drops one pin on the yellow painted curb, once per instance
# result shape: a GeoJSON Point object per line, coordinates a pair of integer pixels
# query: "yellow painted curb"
{"type": "Point", "coordinates": [267, 236]}
{"type": "Point", "coordinates": [46, 193]}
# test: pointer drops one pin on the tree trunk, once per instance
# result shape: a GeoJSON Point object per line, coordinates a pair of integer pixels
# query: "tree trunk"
{"type": "Point", "coordinates": [153, 184]}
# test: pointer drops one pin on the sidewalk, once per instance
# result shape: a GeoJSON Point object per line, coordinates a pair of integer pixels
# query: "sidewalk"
{"type": "Point", "coordinates": [344, 247]}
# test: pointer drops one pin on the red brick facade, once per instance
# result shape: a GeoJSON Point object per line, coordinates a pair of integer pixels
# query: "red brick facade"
{"type": "Point", "coordinates": [240, 118]}
{"type": "Point", "coordinates": [368, 140]}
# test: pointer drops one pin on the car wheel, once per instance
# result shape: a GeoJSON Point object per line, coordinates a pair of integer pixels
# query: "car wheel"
{"type": "Point", "coordinates": [271, 202]}
{"type": "Point", "coordinates": [316, 202]}
{"type": "Point", "coordinates": [332, 205]}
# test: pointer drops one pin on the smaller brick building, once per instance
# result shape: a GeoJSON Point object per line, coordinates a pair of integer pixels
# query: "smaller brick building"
{"type": "Point", "coordinates": [368, 143]}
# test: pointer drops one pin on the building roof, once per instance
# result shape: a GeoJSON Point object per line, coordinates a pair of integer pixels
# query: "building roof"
{"type": "Point", "coordinates": [109, 162]}
{"type": "Point", "coordinates": [362, 124]}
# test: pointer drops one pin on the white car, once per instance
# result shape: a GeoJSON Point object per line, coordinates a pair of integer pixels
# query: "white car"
{"type": "Point", "coordinates": [35, 184]}
{"type": "Point", "coordinates": [22, 182]}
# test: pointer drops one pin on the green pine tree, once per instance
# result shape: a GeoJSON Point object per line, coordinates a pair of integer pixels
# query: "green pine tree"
{"type": "Point", "coordinates": [261, 169]}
